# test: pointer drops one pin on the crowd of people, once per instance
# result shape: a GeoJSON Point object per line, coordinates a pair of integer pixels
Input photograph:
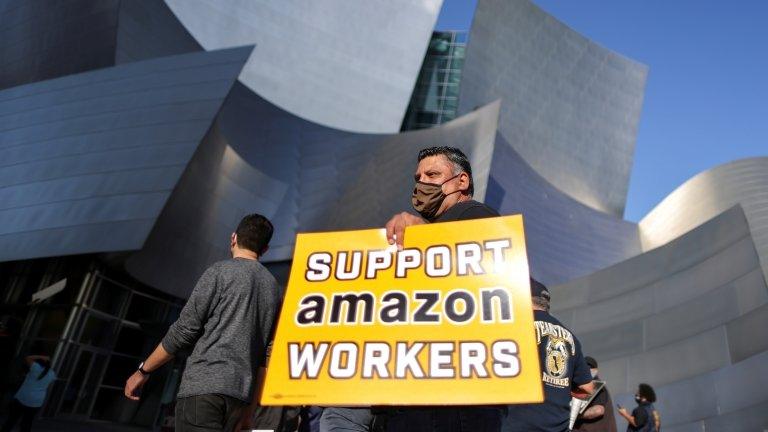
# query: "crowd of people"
{"type": "Point", "coordinates": [227, 324]}
{"type": "Point", "coordinates": [228, 321]}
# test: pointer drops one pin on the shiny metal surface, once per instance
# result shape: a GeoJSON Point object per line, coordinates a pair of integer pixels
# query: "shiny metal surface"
{"type": "Point", "coordinates": [162, 158]}
{"type": "Point", "coordinates": [349, 65]}
{"type": "Point", "coordinates": [565, 238]}
{"type": "Point", "coordinates": [148, 29]}
{"type": "Point", "coordinates": [743, 182]}
{"type": "Point", "coordinates": [41, 40]}
{"type": "Point", "coordinates": [303, 176]}
{"type": "Point", "coordinates": [570, 107]}
{"type": "Point", "coordinates": [88, 161]}
{"type": "Point", "coordinates": [688, 317]}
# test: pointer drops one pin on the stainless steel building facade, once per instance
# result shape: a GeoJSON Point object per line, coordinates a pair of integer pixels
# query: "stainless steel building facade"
{"type": "Point", "coordinates": [135, 135]}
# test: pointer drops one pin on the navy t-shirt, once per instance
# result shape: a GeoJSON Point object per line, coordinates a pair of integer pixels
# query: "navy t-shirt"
{"type": "Point", "coordinates": [562, 367]}
{"type": "Point", "coordinates": [644, 420]}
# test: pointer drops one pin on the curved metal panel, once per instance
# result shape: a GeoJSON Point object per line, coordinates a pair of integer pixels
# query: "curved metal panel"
{"type": "Point", "coordinates": [565, 238]}
{"type": "Point", "coordinates": [41, 40]}
{"type": "Point", "coordinates": [743, 182]}
{"type": "Point", "coordinates": [682, 317]}
{"type": "Point", "coordinates": [88, 161]}
{"type": "Point", "coordinates": [303, 176]}
{"type": "Point", "coordinates": [570, 107]}
{"type": "Point", "coordinates": [148, 29]}
{"type": "Point", "coordinates": [346, 65]}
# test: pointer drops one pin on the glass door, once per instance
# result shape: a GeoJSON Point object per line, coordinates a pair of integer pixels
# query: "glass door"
{"type": "Point", "coordinates": [79, 395]}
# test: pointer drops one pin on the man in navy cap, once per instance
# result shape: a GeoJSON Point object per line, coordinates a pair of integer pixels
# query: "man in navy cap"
{"type": "Point", "coordinates": [563, 369]}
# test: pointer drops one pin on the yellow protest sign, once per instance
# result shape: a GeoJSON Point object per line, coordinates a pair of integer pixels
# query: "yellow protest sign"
{"type": "Point", "coordinates": [445, 321]}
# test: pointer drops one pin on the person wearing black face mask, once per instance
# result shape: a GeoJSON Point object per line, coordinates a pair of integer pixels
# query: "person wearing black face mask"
{"type": "Point", "coordinates": [442, 193]}
{"type": "Point", "coordinates": [644, 418]}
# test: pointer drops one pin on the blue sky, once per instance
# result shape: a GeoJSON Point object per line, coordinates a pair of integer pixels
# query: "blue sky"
{"type": "Point", "coordinates": [706, 99]}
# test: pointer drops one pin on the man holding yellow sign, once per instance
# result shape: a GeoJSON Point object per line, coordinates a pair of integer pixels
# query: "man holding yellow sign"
{"type": "Point", "coordinates": [442, 317]}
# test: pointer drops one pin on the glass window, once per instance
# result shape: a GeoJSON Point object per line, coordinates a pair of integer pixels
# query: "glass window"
{"type": "Point", "coordinates": [98, 331]}
{"type": "Point", "coordinates": [72, 392]}
{"type": "Point", "coordinates": [426, 117]}
{"type": "Point", "coordinates": [56, 393]}
{"type": "Point", "coordinates": [452, 91]}
{"type": "Point", "coordinates": [145, 309]}
{"type": "Point", "coordinates": [90, 387]}
{"type": "Point", "coordinates": [450, 105]}
{"type": "Point", "coordinates": [49, 323]}
{"type": "Point", "coordinates": [119, 369]}
{"type": "Point", "coordinates": [112, 405]}
{"type": "Point", "coordinates": [133, 342]}
{"type": "Point", "coordinates": [110, 297]}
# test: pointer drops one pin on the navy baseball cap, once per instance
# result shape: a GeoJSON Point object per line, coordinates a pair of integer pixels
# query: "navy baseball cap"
{"type": "Point", "coordinates": [538, 289]}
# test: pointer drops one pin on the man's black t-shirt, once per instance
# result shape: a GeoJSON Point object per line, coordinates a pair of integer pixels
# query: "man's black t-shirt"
{"type": "Point", "coordinates": [475, 418]}
{"type": "Point", "coordinates": [562, 367]}
{"type": "Point", "coordinates": [466, 210]}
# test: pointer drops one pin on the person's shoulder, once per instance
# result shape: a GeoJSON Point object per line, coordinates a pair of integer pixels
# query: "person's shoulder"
{"type": "Point", "coordinates": [218, 266]}
{"type": "Point", "coordinates": [235, 265]}
{"type": "Point", "coordinates": [35, 367]}
{"type": "Point", "coordinates": [255, 270]}
{"type": "Point", "coordinates": [477, 208]}
{"type": "Point", "coordinates": [472, 209]}
{"type": "Point", "coordinates": [554, 320]}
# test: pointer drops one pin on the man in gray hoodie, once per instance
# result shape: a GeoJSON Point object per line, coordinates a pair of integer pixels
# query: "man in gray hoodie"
{"type": "Point", "coordinates": [227, 323]}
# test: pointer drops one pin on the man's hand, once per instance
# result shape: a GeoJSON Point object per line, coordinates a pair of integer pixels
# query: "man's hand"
{"type": "Point", "coordinates": [136, 381]}
{"type": "Point", "coordinates": [134, 384]}
{"type": "Point", "coordinates": [396, 227]}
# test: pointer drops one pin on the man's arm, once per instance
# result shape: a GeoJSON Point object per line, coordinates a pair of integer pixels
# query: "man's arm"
{"type": "Point", "coordinates": [396, 227]}
{"type": "Point", "coordinates": [187, 329]}
{"type": "Point", "coordinates": [582, 377]}
{"type": "Point", "coordinates": [596, 408]}
{"type": "Point", "coordinates": [135, 382]}
{"type": "Point", "coordinates": [593, 412]}
{"type": "Point", "coordinates": [588, 388]}
{"type": "Point", "coordinates": [182, 334]}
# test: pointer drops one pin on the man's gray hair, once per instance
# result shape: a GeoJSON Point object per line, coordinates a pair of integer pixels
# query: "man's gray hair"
{"type": "Point", "coordinates": [456, 157]}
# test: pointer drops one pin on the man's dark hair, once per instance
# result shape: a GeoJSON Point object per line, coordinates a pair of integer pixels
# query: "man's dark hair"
{"type": "Point", "coordinates": [457, 158]}
{"type": "Point", "coordinates": [591, 362]}
{"type": "Point", "coordinates": [541, 302]}
{"type": "Point", "coordinates": [539, 294]}
{"type": "Point", "coordinates": [646, 391]}
{"type": "Point", "coordinates": [254, 233]}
